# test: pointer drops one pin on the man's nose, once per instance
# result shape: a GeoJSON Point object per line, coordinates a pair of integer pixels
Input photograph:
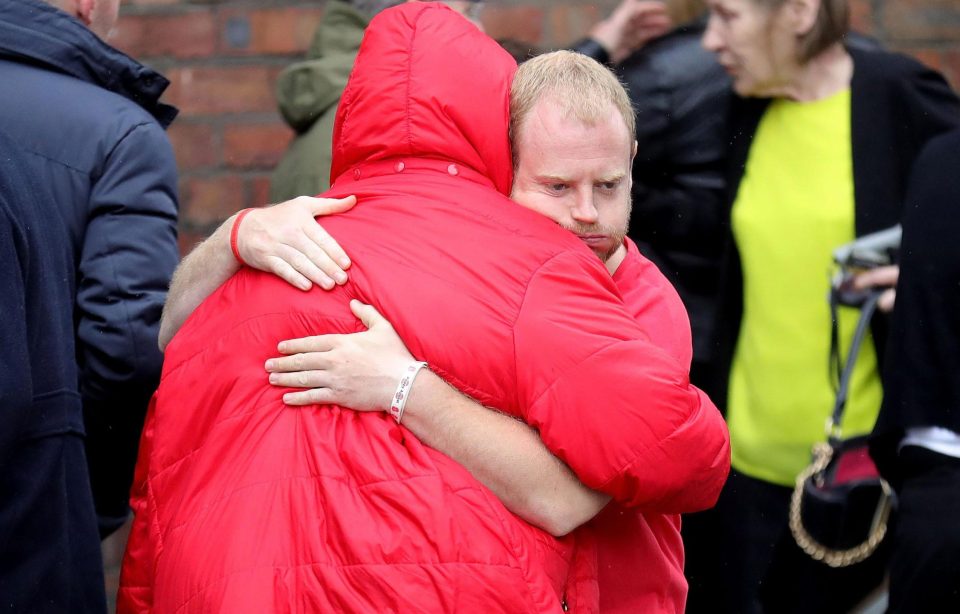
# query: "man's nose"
{"type": "Point", "coordinates": [585, 211]}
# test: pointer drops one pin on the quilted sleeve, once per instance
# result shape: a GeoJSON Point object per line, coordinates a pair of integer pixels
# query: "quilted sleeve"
{"type": "Point", "coordinates": [617, 409]}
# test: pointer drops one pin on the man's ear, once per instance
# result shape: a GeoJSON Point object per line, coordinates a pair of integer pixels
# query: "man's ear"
{"type": "Point", "coordinates": [803, 15]}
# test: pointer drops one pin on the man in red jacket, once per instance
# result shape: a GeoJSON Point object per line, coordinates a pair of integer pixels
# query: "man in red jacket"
{"type": "Point", "coordinates": [604, 184]}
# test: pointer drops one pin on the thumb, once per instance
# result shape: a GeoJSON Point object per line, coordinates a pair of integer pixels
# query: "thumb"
{"type": "Point", "coordinates": [367, 314]}
{"type": "Point", "coordinates": [327, 206]}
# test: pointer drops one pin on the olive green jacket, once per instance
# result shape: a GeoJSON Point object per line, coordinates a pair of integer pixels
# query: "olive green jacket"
{"type": "Point", "coordinates": [307, 95]}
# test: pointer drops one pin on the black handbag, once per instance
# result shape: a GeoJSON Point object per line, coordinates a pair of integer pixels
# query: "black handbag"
{"type": "Point", "coordinates": [841, 505]}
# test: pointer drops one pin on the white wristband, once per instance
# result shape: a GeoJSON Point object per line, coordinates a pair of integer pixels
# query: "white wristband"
{"type": "Point", "coordinates": [403, 389]}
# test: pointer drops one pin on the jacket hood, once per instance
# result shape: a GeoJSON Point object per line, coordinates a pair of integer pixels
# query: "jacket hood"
{"type": "Point", "coordinates": [36, 31]}
{"type": "Point", "coordinates": [428, 84]}
{"type": "Point", "coordinates": [307, 89]}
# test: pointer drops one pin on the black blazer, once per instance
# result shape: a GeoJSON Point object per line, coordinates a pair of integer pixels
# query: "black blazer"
{"type": "Point", "coordinates": [897, 105]}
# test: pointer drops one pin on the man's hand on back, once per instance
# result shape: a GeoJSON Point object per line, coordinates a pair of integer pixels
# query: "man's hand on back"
{"type": "Point", "coordinates": [359, 371]}
{"type": "Point", "coordinates": [286, 240]}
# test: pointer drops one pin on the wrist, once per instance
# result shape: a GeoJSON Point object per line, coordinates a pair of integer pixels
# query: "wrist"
{"type": "Point", "coordinates": [606, 35]}
{"type": "Point", "coordinates": [235, 235]}
{"type": "Point", "coordinates": [404, 387]}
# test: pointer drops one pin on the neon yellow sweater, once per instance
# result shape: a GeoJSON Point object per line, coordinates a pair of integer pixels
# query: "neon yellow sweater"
{"type": "Point", "coordinates": [794, 206]}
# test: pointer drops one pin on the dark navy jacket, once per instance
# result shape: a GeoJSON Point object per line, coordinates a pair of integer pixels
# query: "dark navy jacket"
{"type": "Point", "coordinates": [91, 129]}
{"type": "Point", "coordinates": [49, 547]}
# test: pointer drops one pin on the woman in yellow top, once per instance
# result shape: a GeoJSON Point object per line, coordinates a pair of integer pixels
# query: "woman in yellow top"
{"type": "Point", "coordinates": [822, 140]}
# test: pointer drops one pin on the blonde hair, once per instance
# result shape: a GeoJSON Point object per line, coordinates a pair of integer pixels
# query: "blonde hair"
{"type": "Point", "coordinates": [583, 87]}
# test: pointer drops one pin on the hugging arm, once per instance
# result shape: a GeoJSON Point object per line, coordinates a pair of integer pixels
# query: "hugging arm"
{"type": "Point", "coordinates": [283, 239]}
{"type": "Point", "coordinates": [361, 371]}
{"type": "Point", "coordinates": [618, 410]}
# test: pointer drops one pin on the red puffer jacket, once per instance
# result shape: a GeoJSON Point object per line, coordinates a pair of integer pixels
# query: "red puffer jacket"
{"type": "Point", "coordinates": [245, 505]}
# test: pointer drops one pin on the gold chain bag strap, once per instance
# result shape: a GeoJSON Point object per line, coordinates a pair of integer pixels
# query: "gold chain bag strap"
{"type": "Point", "coordinates": [841, 506]}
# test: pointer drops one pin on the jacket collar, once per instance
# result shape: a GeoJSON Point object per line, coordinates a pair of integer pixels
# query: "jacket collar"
{"type": "Point", "coordinates": [34, 31]}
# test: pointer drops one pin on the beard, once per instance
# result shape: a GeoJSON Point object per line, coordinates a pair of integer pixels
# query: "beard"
{"type": "Point", "coordinates": [617, 235]}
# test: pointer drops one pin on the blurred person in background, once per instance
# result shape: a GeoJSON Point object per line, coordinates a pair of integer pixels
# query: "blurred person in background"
{"type": "Point", "coordinates": [916, 442]}
{"type": "Point", "coordinates": [308, 92]}
{"type": "Point", "coordinates": [90, 130]}
{"type": "Point", "coordinates": [823, 137]}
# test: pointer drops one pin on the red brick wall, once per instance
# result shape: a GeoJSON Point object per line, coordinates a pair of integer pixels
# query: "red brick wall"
{"type": "Point", "coordinates": [223, 56]}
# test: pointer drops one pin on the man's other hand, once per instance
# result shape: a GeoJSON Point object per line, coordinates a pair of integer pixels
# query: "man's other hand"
{"type": "Point", "coordinates": [632, 25]}
{"type": "Point", "coordinates": [286, 240]}
{"type": "Point", "coordinates": [359, 371]}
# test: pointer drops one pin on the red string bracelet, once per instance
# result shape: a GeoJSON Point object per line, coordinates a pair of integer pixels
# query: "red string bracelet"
{"type": "Point", "coordinates": [234, 234]}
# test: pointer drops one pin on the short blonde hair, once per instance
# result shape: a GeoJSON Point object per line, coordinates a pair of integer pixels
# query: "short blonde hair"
{"type": "Point", "coordinates": [582, 86]}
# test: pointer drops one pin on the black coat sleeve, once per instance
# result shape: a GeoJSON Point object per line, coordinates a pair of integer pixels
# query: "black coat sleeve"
{"type": "Point", "coordinates": [128, 256]}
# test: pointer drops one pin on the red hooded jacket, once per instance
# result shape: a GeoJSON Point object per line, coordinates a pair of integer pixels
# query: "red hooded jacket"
{"type": "Point", "coordinates": [245, 505]}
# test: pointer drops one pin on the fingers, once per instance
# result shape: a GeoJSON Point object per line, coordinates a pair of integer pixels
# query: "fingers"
{"type": "Point", "coordinates": [314, 396]}
{"type": "Point", "coordinates": [880, 276]}
{"type": "Point", "coordinates": [329, 206]}
{"type": "Point", "coordinates": [284, 271]}
{"type": "Point", "coordinates": [887, 300]}
{"type": "Point", "coordinates": [286, 240]}
{"type": "Point", "coordinates": [307, 345]}
{"type": "Point", "coordinates": [311, 262]}
{"type": "Point", "coordinates": [331, 249]}
{"type": "Point", "coordinates": [648, 8]}
{"type": "Point", "coordinates": [333, 256]}
{"type": "Point", "coordinates": [367, 314]}
{"type": "Point", "coordinates": [300, 379]}
{"type": "Point", "coordinates": [298, 363]}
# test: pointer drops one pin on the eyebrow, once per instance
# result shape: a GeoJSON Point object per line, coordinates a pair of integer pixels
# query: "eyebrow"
{"type": "Point", "coordinates": [560, 179]}
{"type": "Point", "coordinates": [612, 178]}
